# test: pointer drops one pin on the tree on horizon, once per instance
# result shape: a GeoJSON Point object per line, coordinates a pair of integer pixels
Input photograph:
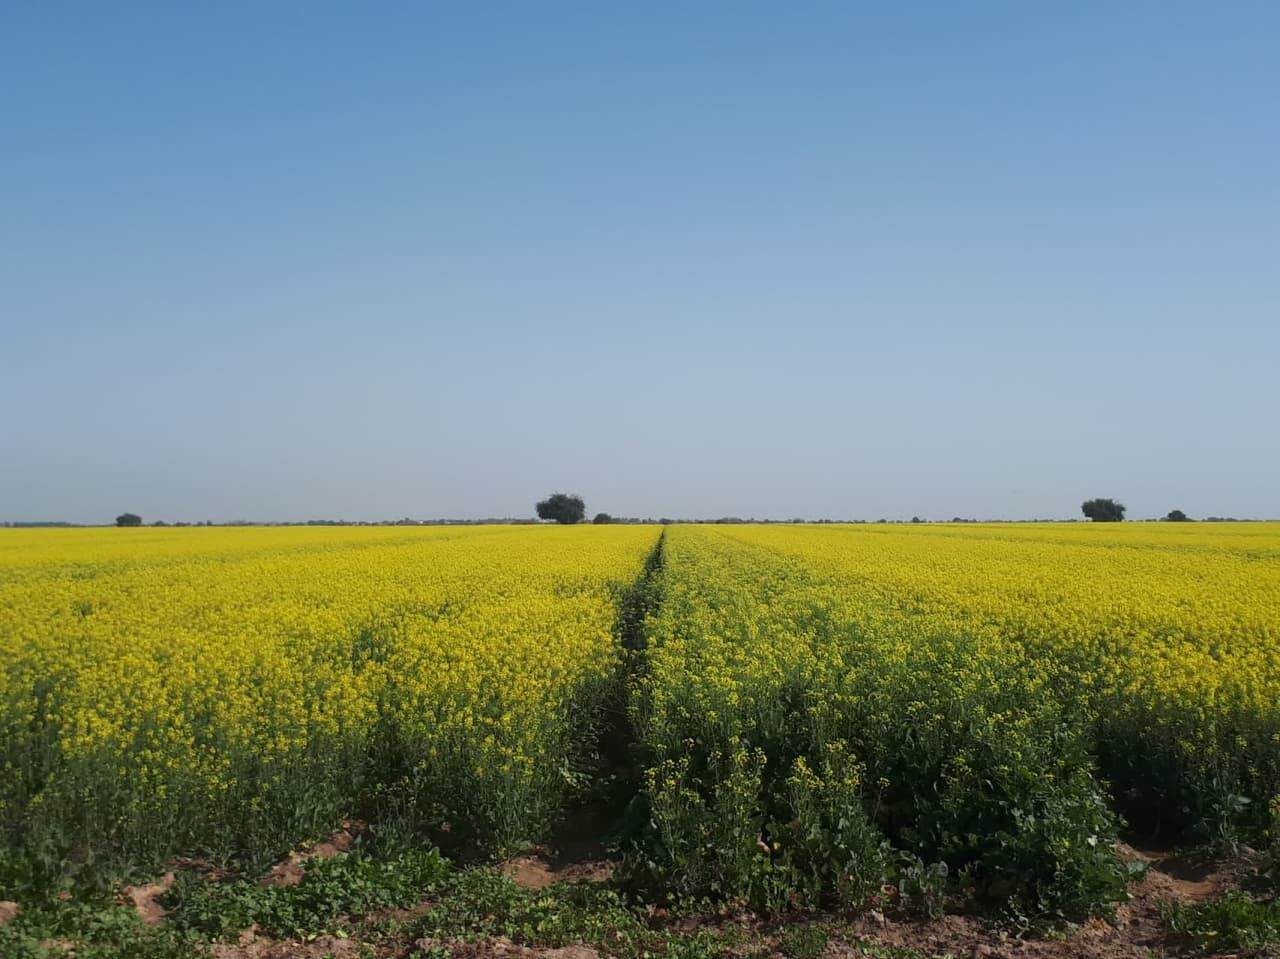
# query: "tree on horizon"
{"type": "Point", "coordinates": [1103, 510]}
{"type": "Point", "coordinates": [564, 508]}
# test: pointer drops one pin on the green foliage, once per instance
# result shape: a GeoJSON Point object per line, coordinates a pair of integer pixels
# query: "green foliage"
{"type": "Point", "coordinates": [782, 778]}
{"type": "Point", "coordinates": [1176, 773]}
{"type": "Point", "coordinates": [97, 927]}
{"type": "Point", "coordinates": [700, 944]}
{"type": "Point", "coordinates": [1103, 510]}
{"type": "Point", "coordinates": [128, 519]}
{"type": "Point", "coordinates": [482, 903]}
{"type": "Point", "coordinates": [830, 846]}
{"type": "Point", "coordinates": [921, 886]}
{"type": "Point", "coordinates": [563, 508]}
{"type": "Point", "coordinates": [1234, 921]}
{"type": "Point", "coordinates": [1271, 867]}
{"type": "Point", "coordinates": [640, 600]}
{"type": "Point", "coordinates": [346, 885]}
{"type": "Point", "coordinates": [703, 839]}
{"type": "Point", "coordinates": [803, 942]}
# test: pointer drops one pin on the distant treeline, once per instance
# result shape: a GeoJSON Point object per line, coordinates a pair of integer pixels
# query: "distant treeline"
{"type": "Point", "coordinates": [523, 521]}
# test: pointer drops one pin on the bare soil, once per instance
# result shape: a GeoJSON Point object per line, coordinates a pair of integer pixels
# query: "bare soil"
{"type": "Point", "coordinates": [537, 870]}
{"type": "Point", "coordinates": [575, 853]}
{"type": "Point", "coordinates": [145, 899]}
{"type": "Point", "coordinates": [502, 948]}
{"type": "Point", "coordinates": [291, 870]}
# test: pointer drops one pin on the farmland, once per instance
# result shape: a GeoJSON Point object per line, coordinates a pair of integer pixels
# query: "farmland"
{"type": "Point", "coordinates": [997, 699]}
{"type": "Point", "coordinates": [814, 717]}
{"type": "Point", "coordinates": [235, 692]}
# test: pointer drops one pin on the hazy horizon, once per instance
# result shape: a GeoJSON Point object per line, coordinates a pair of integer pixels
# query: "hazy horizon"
{"type": "Point", "coordinates": [843, 261]}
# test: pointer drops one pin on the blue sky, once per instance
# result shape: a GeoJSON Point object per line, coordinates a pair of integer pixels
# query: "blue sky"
{"type": "Point", "coordinates": [283, 261]}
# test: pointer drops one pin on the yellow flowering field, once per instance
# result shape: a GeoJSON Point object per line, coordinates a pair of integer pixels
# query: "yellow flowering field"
{"type": "Point", "coordinates": [233, 691]}
{"type": "Point", "coordinates": [1166, 636]}
{"type": "Point", "coordinates": [817, 713]}
{"type": "Point", "coordinates": [991, 696]}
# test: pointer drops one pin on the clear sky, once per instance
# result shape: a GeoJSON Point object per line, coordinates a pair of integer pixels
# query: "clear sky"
{"type": "Point", "coordinates": [295, 260]}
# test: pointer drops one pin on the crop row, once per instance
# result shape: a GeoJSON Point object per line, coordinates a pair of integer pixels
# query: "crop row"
{"type": "Point", "coordinates": [230, 692]}
{"type": "Point", "coordinates": [1163, 639]}
{"type": "Point", "coordinates": [851, 713]}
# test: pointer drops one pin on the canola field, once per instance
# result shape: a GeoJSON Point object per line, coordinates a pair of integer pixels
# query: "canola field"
{"type": "Point", "coordinates": [817, 714]}
{"type": "Point", "coordinates": [981, 705]}
{"type": "Point", "coordinates": [230, 692]}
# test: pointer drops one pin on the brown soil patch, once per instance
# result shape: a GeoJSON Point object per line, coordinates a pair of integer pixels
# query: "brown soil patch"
{"type": "Point", "coordinates": [964, 937]}
{"type": "Point", "coordinates": [291, 870]}
{"type": "Point", "coordinates": [529, 872]}
{"type": "Point", "coordinates": [536, 871]}
{"type": "Point", "coordinates": [8, 910]}
{"type": "Point", "coordinates": [576, 853]}
{"type": "Point", "coordinates": [500, 946]}
{"type": "Point", "coordinates": [1182, 877]}
{"type": "Point", "coordinates": [251, 948]}
{"type": "Point", "coordinates": [144, 899]}
{"type": "Point", "coordinates": [404, 915]}
{"type": "Point", "coordinates": [207, 869]}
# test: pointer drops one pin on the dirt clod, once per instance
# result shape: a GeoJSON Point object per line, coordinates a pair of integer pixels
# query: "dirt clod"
{"type": "Point", "coordinates": [529, 872]}
{"type": "Point", "coordinates": [145, 899]}
{"type": "Point", "coordinates": [8, 910]}
{"type": "Point", "coordinates": [535, 871]}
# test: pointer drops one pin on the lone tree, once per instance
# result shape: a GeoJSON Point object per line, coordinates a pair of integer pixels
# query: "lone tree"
{"type": "Point", "coordinates": [128, 519]}
{"type": "Point", "coordinates": [602, 518]}
{"type": "Point", "coordinates": [1103, 510]}
{"type": "Point", "coordinates": [1177, 516]}
{"type": "Point", "coordinates": [563, 508]}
